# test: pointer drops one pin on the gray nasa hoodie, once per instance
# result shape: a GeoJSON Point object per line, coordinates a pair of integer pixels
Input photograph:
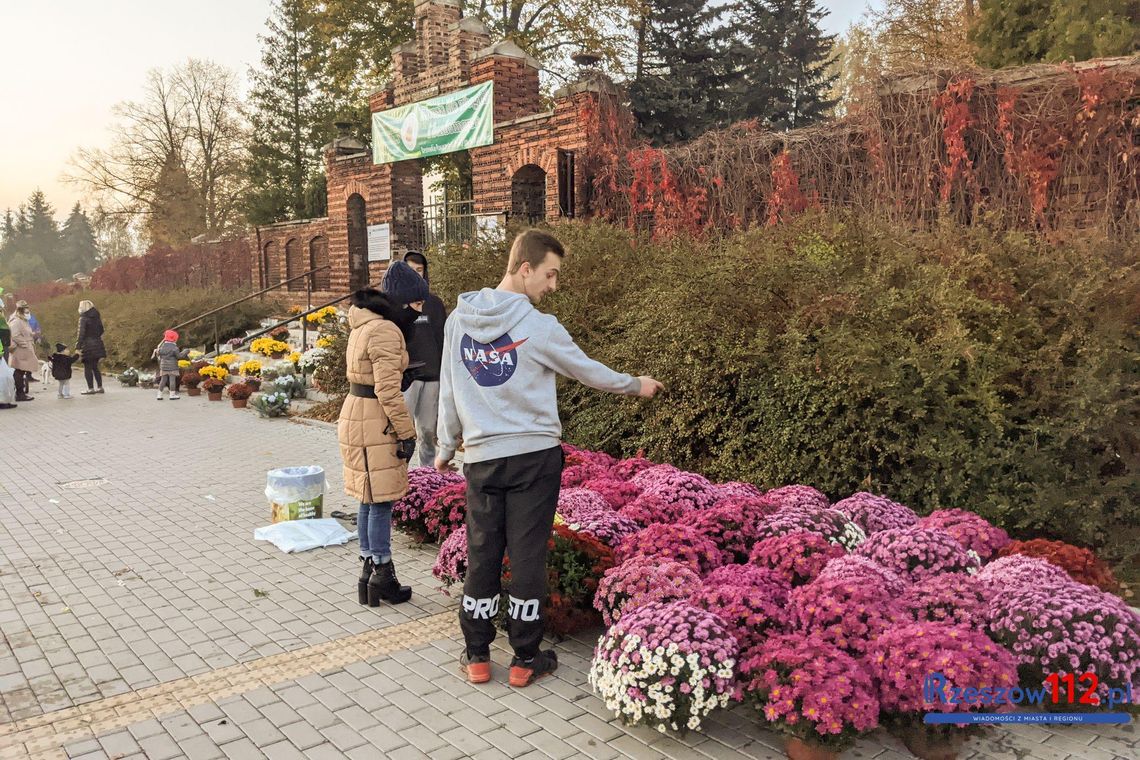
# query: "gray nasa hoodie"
{"type": "Point", "coordinates": [497, 381]}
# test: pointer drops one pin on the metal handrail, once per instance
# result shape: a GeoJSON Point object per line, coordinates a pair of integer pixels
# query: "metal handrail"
{"type": "Point", "coordinates": [261, 292]}
{"type": "Point", "coordinates": [214, 312]}
{"type": "Point", "coordinates": [234, 344]}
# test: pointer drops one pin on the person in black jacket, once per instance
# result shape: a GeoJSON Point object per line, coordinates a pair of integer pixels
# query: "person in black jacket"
{"type": "Point", "coordinates": [90, 346]}
{"type": "Point", "coordinates": [426, 348]}
{"type": "Point", "coordinates": [61, 362]}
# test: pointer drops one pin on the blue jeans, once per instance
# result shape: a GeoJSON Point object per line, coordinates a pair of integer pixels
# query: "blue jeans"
{"type": "Point", "coordinates": [374, 525]}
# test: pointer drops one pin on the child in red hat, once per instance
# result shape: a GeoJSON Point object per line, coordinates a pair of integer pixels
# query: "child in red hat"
{"type": "Point", "coordinates": [168, 354]}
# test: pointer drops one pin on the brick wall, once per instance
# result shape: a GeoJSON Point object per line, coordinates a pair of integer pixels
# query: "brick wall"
{"type": "Point", "coordinates": [448, 53]}
{"type": "Point", "coordinates": [309, 238]}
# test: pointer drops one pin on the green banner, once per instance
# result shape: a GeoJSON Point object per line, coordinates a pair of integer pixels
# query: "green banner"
{"type": "Point", "coordinates": [445, 124]}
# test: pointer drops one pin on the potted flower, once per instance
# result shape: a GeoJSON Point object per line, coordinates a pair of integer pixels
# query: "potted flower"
{"type": "Point", "coordinates": [215, 373]}
{"type": "Point", "coordinates": [190, 379]}
{"type": "Point", "coordinates": [916, 552]}
{"type": "Point", "coordinates": [270, 347]}
{"type": "Point", "coordinates": [410, 512]}
{"type": "Point", "coordinates": [214, 387]}
{"type": "Point", "coordinates": [280, 333]}
{"type": "Point", "coordinates": [798, 556]}
{"type": "Point", "coordinates": [1080, 563]}
{"type": "Point", "coordinates": [680, 542]}
{"type": "Point", "coordinates": [917, 665]}
{"type": "Point", "coordinates": [846, 614]}
{"type": "Point", "coordinates": [666, 666]}
{"type": "Point", "coordinates": [451, 562]}
{"type": "Point", "coordinates": [876, 513]}
{"type": "Point", "coordinates": [750, 602]}
{"type": "Point", "coordinates": [274, 404]}
{"type": "Point", "coordinates": [575, 564]}
{"type": "Point", "coordinates": [827, 522]}
{"type": "Point", "coordinates": [251, 373]}
{"type": "Point", "coordinates": [239, 394]}
{"type": "Point", "coordinates": [811, 690]}
{"type": "Point", "coordinates": [310, 359]}
{"type": "Point", "coordinates": [1056, 626]}
{"type": "Point", "coordinates": [290, 384]}
{"type": "Point", "coordinates": [972, 531]}
{"type": "Point", "coordinates": [225, 360]}
{"type": "Point", "coordinates": [640, 581]}
{"type": "Point", "coordinates": [146, 380]}
{"type": "Point", "coordinates": [129, 378]}
{"type": "Point", "coordinates": [322, 317]}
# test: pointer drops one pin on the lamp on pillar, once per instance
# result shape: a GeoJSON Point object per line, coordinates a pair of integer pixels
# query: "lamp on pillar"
{"type": "Point", "coordinates": [344, 143]}
{"type": "Point", "coordinates": [586, 60]}
{"type": "Point", "coordinates": [588, 69]}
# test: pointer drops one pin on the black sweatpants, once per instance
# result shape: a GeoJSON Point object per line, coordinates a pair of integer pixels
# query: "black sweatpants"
{"type": "Point", "coordinates": [510, 507]}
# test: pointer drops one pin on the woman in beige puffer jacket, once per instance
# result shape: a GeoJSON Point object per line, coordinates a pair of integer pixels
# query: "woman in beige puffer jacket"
{"type": "Point", "coordinates": [374, 431]}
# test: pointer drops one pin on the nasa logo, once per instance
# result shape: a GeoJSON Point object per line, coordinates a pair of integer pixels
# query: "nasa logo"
{"type": "Point", "coordinates": [490, 364]}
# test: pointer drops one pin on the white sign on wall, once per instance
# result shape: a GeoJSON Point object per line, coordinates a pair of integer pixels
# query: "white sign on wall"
{"type": "Point", "coordinates": [379, 242]}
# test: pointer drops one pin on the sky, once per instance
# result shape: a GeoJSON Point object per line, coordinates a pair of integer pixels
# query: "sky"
{"type": "Point", "coordinates": [65, 63]}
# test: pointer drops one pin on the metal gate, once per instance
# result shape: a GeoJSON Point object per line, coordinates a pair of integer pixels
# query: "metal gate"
{"type": "Point", "coordinates": [445, 223]}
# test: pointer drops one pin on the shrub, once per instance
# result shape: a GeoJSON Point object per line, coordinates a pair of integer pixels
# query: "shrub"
{"type": "Point", "coordinates": [950, 367]}
{"type": "Point", "coordinates": [330, 370]}
{"type": "Point", "coordinates": [135, 321]}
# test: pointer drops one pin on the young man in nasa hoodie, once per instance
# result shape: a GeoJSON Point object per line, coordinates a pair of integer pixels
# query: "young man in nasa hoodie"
{"type": "Point", "coordinates": [501, 357]}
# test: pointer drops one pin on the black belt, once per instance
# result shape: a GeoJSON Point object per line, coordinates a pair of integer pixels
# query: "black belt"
{"type": "Point", "coordinates": [363, 391]}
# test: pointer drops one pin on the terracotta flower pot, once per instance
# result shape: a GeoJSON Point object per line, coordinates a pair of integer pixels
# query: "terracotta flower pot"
{"type": "Point", "coordinates": [253, 382]}
{"type": "Point", "coordinates": [215, 396]}
{"type": "Point", "coordinates": [239, 403]}
{"type": "Point", "coordinates": [193, 391]}
{"type": "Point", "coordinates": [277, 355]}
{"type": "Point", "coordinates": [929, 745]}
{"type": "Point", "coordinates": [797, 749]}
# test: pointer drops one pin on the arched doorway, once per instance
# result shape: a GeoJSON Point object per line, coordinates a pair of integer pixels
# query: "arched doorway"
{"type": "Point", "coordinates": [319, 257]}
{"type": "Point", "coordinates": [357, 242]}
{"type": "Point", "coordinates": [293, 264]}
{"type": "Point", "coordinates": [528, 194]}
{"type": "Point", "coordinates": [270, 265]}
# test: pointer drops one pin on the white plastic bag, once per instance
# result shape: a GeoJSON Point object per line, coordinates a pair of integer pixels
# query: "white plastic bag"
{"type": "Point", "coordinates": [302, 535]}
{"type": "Point", "coordinates": [295, 493]}
{"type": "Point", "coordinates": [7, 383]}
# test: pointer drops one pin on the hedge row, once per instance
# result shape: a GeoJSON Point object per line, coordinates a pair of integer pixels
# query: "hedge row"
{"type": "Point", "coordinates": [956, 368]}
{"type": "Point", "coordinates": [135, 321]}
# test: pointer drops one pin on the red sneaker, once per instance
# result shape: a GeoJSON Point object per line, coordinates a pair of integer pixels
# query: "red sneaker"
{"type": "Point", "coordinates": [477, 668]}
{"type": "Point", "coordinates": [526, 672]}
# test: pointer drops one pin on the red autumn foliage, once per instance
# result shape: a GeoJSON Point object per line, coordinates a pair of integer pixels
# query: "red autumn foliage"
{"type": "Point", "coordinates": [953, 104]}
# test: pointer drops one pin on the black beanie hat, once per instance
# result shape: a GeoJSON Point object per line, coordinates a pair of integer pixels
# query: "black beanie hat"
{"type": "Point", "coordinates": [60, 348]}
{"type": "Point", "coordinates": [403, 285]}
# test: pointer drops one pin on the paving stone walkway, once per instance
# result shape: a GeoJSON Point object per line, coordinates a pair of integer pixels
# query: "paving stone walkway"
{"type": "Point", "coordinates": [141, 620]}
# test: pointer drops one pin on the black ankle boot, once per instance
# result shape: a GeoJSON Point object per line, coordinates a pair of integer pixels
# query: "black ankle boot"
{"type": "Point", "coordinates": [385, 585]}
{"type": "Point", "coordinates": [362, 584]}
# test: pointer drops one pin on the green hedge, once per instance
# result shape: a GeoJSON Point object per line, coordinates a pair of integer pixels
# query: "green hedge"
{"type": "Point", "coordinates": [134, 322]}
{"type": "Point", "coordinates": [955, 368]}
